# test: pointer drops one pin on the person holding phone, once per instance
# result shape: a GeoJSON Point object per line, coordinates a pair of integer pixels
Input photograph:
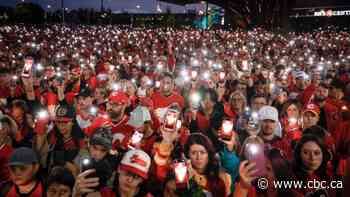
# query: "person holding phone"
{"type": "Point", "coordinates": [20, 112]}
{"type": "Point", "coordinates": [98, 157]}
{"type": "Point", "coordinates": [116, 118]}
{"type": "Point", "coordinates": [62, 144]}
{"type": "Point", "coordinates": [209, 115]}
{"type": "Point", "coordinates": [236, 105]}
{"type": "Point", "coordinates": [204, 171]}
{"type": "Point", "coordinates": [130, 179]}
{"type": "Point", "coordinates": [166, 95]}
{"type": "Point", "coordinates": [291, 121]}
{"type": "Point", "coordinates": [169, 145]}
{"type": "Point", "coordinates": [275, 168]}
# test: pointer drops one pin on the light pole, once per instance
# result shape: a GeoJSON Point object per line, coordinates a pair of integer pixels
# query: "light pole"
{"type": "Point", "coordinates": [47, 12]}
{"type": "Point", "coordinates": [102, 8]}
{"type": "Point", "coordinates": [62, 7]}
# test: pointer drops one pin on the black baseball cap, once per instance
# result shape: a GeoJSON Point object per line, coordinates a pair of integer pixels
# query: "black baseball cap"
{"type": "Point", "coordinates": [64, 113]}
{"type": "Point", "coordinates": [23, 156]}
{"type": "Point", "coordinates": [86, 92]}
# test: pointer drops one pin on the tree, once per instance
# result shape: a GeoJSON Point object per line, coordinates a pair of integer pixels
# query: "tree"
{"type": "Point", "coordinates": [29, 13]}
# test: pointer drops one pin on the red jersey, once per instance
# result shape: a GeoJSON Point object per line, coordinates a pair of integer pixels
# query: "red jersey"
{"type": "Point", "coordinates": [161, 101]}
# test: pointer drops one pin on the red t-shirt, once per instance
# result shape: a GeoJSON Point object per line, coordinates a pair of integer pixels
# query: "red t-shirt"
{"type": "Point", "coordinates": [5, 153]}
{"type": "Point", "coordinates": [161, 101]}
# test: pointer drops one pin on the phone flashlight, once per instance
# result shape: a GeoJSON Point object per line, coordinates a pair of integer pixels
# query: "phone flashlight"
{"type": "Point", "coordinates": [181, 174]}
{"type": "Point", "coordinates": [157, 84]}
{"type": "Point", "coordinates": [135, 139]}
{"type": "Point", "coordinates": [254, 152]}
{"type": "Point", "coordinates": [111, 67]}
{"type": "Point", "coordinates": [245, 65]}
{"type": "Point", "coordinates": [194, 74]}
{"type": "Point", "coordinates": [195, 100]}
{"type": "Point", "coordinates": [222, 76]}
{"type": "Point", "coordinates": [255, 115]}
{"type": "Point", "coordinates": [27, 69]}
{"type": "Point", "coordinates": [93, 110]}
{"type": "Point", "coordinates": [115, 86]}
{"type": "Point", "coordinates": [344, 108]}
{"type": "Point", "coordinates": [226, 128]}
{"type": "Point", "coordinates": [39, 67]}
{"type": "Point", "coordinates": [43, 114]}
{"type": "Point", "coordinates": [178, 124]}
{"type": "Point", "coordinates": [87, 163]}
{"type": "Point", "coordinates": [292, 121]}
{"type": "Point", "coordinates": [206, 75]}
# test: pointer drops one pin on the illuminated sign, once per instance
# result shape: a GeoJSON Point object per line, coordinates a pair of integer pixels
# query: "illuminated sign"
{"type": "Point", "coordinates": [332, 13]}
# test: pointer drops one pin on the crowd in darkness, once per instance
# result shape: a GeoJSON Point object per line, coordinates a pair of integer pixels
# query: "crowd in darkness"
{"type": "Point", "coordinates": [119, 111]}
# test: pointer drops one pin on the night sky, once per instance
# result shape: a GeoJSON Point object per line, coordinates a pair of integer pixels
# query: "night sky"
{"type": "Point", "coordinates": [150, 6]}
{"type": "Point", "coordinates": [146, 6]}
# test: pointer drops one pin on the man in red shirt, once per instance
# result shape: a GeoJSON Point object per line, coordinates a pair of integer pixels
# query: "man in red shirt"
{"type": "Point", "coordinates": [166, 95]}
{"type": "Point", "coordinates": [114, 118]}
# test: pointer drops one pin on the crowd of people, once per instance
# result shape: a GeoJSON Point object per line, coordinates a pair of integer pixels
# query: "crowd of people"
{"type": "Point", "coordinates": [119, 111]}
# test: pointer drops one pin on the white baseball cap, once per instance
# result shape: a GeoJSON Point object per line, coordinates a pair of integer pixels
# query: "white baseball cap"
{"type": "Point", "coordinates": [268, 113]}
{"type": "Point", "coordinates": [139, 116]}
{"type": "Point", "coordinates": [137, 162]}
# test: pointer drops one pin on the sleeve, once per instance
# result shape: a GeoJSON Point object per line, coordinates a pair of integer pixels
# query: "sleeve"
{"type": "Point", "coordinates": [230, 162]}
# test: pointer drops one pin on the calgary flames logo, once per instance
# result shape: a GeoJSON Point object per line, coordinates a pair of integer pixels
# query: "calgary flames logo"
{"type": "Point", "coordinates": [61, 111]}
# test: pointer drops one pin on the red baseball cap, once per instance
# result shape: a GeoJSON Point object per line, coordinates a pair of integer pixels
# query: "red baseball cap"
{"type": "Point", "coordinates": [312, 108]}
{"type": "Point", "coordinates": [118, 97]}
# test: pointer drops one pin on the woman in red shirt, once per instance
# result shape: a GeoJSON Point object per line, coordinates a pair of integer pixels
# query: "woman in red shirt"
{"type": "Point", "coordinates": [311, 162]}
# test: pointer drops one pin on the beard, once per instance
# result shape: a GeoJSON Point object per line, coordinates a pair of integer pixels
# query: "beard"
{"type": "Point", "coordinates": [114, 115]}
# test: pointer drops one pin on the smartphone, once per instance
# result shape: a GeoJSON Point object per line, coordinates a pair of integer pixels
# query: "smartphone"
{"type": "Point", "coordinates": [87, 163]}
{"type": "Point", "coordinates": [245, 65]}
{"type": "Point", "coordinates": [28, 67]}
{"type": "Point", "coordinates": [135, 139]}
{"type": "Point", "coordinates": [157, 84]}
{"type": "Point", "coordinates": [93, 111]}
{"type": "Point", "coordinates": [255, 153]}
{"type": "Point", "coordinates": [222, 76]}
{"type": "Point", "coordinates": [171, 120]}
{"type": "Point", "coordinates": [226, 130]}
{"type": "Point", "coordinates": [181, 174]}
{"type": "Point", "coordinates": [42, 115]}
{"type": "Point", "coordinates": [195, 101]}
{"type": "Point", "coordinates": [194, 75]}
{"type": "Point", "coordinates": [13, 82]}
